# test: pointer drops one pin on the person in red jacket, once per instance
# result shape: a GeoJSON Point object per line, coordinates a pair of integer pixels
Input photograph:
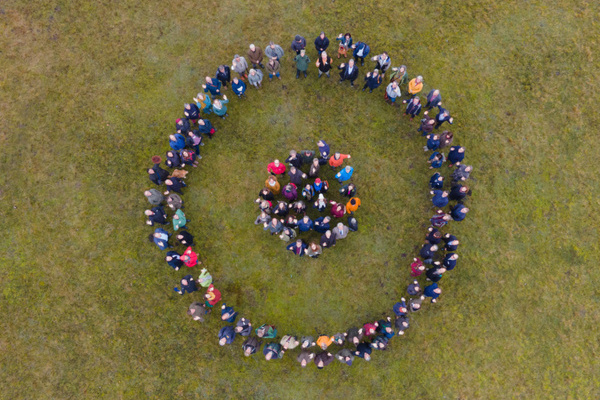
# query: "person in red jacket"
{"type": "Point", "coordinates": [337, 159]}
{"type": "Point", "coordinates": [212, 296]}
{"type": "Point", "coordinates": [276, 168]}
{"type": "Point", "coordinates": [337, 210]}
{"type": "Point", "coordinates": [189, 257]}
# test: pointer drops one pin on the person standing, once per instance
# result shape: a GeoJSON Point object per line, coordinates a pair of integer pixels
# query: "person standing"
{"type": "Point", "coordinates": [298, 44]}
{"type": "Point", "coordinates": [219, 107]}
{"type": "Point", "coordinates": [340, 231]}
{"type": "Point", "coordinates": [298, 247]}
{"type": "Point", "coordinates": [321, 43]}
{"type": "Point", "coordinates": [392, 92]}
{"type": "Point", "coordinates": [349, 72]}
{"type": "Point", "coordinates": [255, 78]}
{"type": "Point", "coordinates": [226, 335]}
{"type": "Point", "coordinates": [372, 81]}
{"type": "Point", "coordinates": [352, 205]}
{"type": "Point", "coordinates": [314, 250]}
{"type": "Point", "coordinates": [363, 350]}
{"type": "Point", "coordinates": [383, 62]}
{"type": "Point", "coordinates": [337, 159]}
{"type": "Point", "coordinates": [302, 61]}
{"type": "Point", "coordinates": [197, 311]}
{"type": "Point", "coordinates": [179, 220]}
{"type": "Point", "coordinates": [436, 160]}
{"type": "Point", "coordinates": [345, 174]}
{"type": "Point", "coordinates": [243, 327]}
{"type": "Point", "coordinates": [276, 168]}
{"type": "Point", "coordinates": [442, 116]}
{"type": "Point", "coordinates": [446, 139]}
{"type": "Point", "coordinates": [223, 75]}
{"type": "Point", "coordinates": [323, 359]}
{"type": "Point", "coordinates": [239, 87]}
{"type": "Point", "coordinates": [274, 51]}
{"type": "Point", "coordinates": [255, 55]}
{"type": "Point", "coordinates": [413, 108]}
{"type": "Point", "coordinates": [440, 198]}
{"type": "Point", "coordinates": [415, 85]}
{"type": "Point", "coordinates": [156, 215]}
{"type": "Point", "coordinates": [459, 192]}
{"type": "Point", "coordinates": [266, 331]}
{"type": "Point", "coordinates": [240, 65]}
{"type": "Point", "coordinates": [296, 176]}
{"type": "Point", "coordinates": [160, 237]}
{"type": "Point", "coordinates": [324, 64]}
{"type": "Point", "coordinates": [456, 155]}
{"type": "Point", "coordinates": [432, 291]}
{"type": "Point", "coordinates": [185, 238]}
{"type": "Point", "coordinates": [212, 296]}
{"type": "Point", "coordinates": [399, 75]}
{"type": "Point", "coordinates": [345, 44]}
{"type": "Point", "coordinates": [305, 357]}
{"type": "Point", "coordinates": [187, 285]}
{"type": "Point", "coordinates": [154, 197]}
{"type": "Point", "coordinates": [273, 351]}
{"type": "Point", "coordinates": [434, 99]}
{"type": "Point", "coordinates": [361, 50]}
{"type": "Point", "coordinates": [459, 212]}
{"type": "Point", "coordinates": [212, 85]}
{"type": "Point", "coordinates": [273, 67]}
{"type": "Point", "coordinates": [450, 261]}
{"type": "Point", "coordinates": [328, 239]}
{"type": "Point", "coordinates": [462, 173]}
{"type": "Point", "coordinates": [228, 314]}
{"type": "Point", "coordinates": [173, 258]}
{"type": "Point", "coordinates": [251, 346]}
{"type": "Point", "coordinates": [190, 257]}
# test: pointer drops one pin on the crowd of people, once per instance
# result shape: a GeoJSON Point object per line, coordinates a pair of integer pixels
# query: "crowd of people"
{"type": "Point", "coordinates": [284, 209]}
{"type": "Point", "coordinates": [287, 218]}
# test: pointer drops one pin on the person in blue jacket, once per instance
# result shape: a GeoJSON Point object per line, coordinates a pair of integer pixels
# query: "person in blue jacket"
{"type": "Point", "coordinates": [298, 247]}
{"type": "Point", "coordinates": [400, 308]}
{"type": "Point", "coordinates": [432, 291]}
{"type": "Point", "coordinates": [173, 258]}
{"type": "Point", "coordinates": [298, 44]}
{"type": "Point", "coordinates": [273, 351]}
{"type": "Point", "coordinates": [239, 87]}
{"type": "Point", "coordinates": [212, 85]}
{"type": "Point", "coordinates": [442, 116]}
{"type": "Point", "coordinates": [428, 252]}
{"type": "Point", "coordinates": [344, 174]}
{"type": "Point", "coordinates": [187, 285]}
{"type": "Point", "coordinates": [321, 224]}
{"type": "Point", "coordinates": [384, 327]}
{"type": "Point", "coordinates": [176, 141]}
{"type": "Point", "coordinates": [433, 142]}
{"type": "Point", "coordinates": [451, 242]}
{"type": "Point", "coordinates": [205, 127]}
{"type": "Point", "coordinates": [226, 335]}
{"type": "Point", "coordinates": [321, 43]}
{"type": "Point", "coordinates": [459, 212]}
{"type": "Point", "coordinates": [456, 155]}
{"type": "Point", "coordinates": [191, 111]}
{"type": "Point", "coordinates": [372, 81]}
{"type": "Point", "coordinates": [450, 261]}
{"type": "Point", "coordinates": [413, 107]}
{"type": "Point", "coordinates": [440, 198]}
{"type": "Point", "coordinates": [349, 72]}
{"type": "Point", "coordinates": [361, 50]}
{"type": "Point", "coordinates": [345, 44]}
{"type": "Point", "coordinates": [436, 160]}
{"type": "Point", "coordinates": [436, 181]}
{"type": "Point", "coordinates": [305, 224]}
{"type": "Point", "coordinates": [228, 314]}
{"type": "Point", "coordinates": [323, 151]}
{"type": "Point", "coordinates": [160, 237]}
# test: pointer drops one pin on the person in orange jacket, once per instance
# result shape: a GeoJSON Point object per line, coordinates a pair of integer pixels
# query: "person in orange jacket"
{"type": "Point", "coordinates": [337, 159]}
{"type": "Point", "coordinates": [352, 205]}
{"type": "Point", "coordinates": [415, 86]}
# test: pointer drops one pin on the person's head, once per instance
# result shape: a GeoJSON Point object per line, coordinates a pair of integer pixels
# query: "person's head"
{"type": "Point", "coordinates": [328, 234]}
{"type": "Point", "coordinates": [384, 54]}
{"type": "Point", "coordinates": [252, 71]}
{"type": "Point", "coordinates": [326, 220]}
{"type": "Point", "coordinates": [305, 219]}
{"type": "Point", "coordinates": [441, 270]}
{"type": "Point", "coordinates": [272, 179]}
{"type": "Point", "coordinates": [322, 35]}
{"type": "Point", "coordinates": [201, 122]}
{"type": "Point", "coordinates": [353, 201]}
{"type": "Point", "coordinates": [293, 153]}
{"type": "Point", "coordinates": [236, 57]}
{"type": "Point", "coordinates": [434, 247]}
{"type": "Point", "coordinates": [208, 79]}
{"type": "Point", "coordinates": [324, 55]}
{"type": "Point", "coordinates": [247, 350]}
{"type": "Point", "coordinates": [302, 52]}
{"type": "Point", "coordinates": [221, 68]}
{"type": "Point", "coordinates": [444, 194]}
{"type": "Point", "coordinates": [437, 290]}
{"type": "Point", "coordinates": [347, 36]}
{"type": "Point", "coordinates": [307, 187]}
{"type": "Point", "coordinates": [465, 210]}
{"type": "Point", "coordinates": [468, 168]}
{"type": "Point", "coordinates": [437, 235]}
{"type": "Point", "coordinates": [419, 79]}
{"type": "Point", "coordinates": [313, 246]}
{"type": "Point", "coordinates": [416, 100]}
{"type": "Point", "coordinates": [148, 212]}
{"type": "Point", "coordinates": [276, 162]}
{"type": "Point", "coordinates": [168, 258]}
{"type": "Point", "coordinates": [252, 47]}
{"type": "Point", "coordinates": [303, 362]}
{"type": "Point", "coordinates": [272, 45]}
{"type": "Point", "coordinates": [348, 168]}
{"type": "Point", "coordinates": [298, 38]}
{"type": "Point", "coordinates": [375, 72]}
{"type": "Point", "coordinates": [321, 197]}
{"type": "Point", "coordinates": [320, 364]}
{"type": "Point", "coordinates": [150, 171]}
{"type": "Point", "coordinates": [217, 103]}
{"type": "Point", "coordinates": [454, 256]}
{"type": "Point", "coordinates": [351, 63]}
{"type": "Point", "coordinates": [236, 80]}
{"type": "Point", "coordinates": [184, 282]}
{"type": "Point", "coordinates": [402, 68]}
{"type": "Point", "coordinates": [461, 149]}
{"type": "Point", "coordinates": [436, 93]}
{"type": "Point", "coordinates": [168, 182]}
{"type": "Point", "coordinates": [222, 341]}
{"type": "Point", "coordinates": [367, 357]}
{"type": "Point", "coordinates": [315, 161]}
{"type": "Point", "coordinates": [147, 193]}
{"type": "Point", "coordinates": [340, 226]}
{"type": "Point", "coordinates": [394, 85]}
{"type": "Point", "coordinates": [172, 138]}
{"type": "Point", "coordinates": [274, 221]}
{"type": "Point", "coordinates": [299, 241]}
{"type": "Point", "coordinates": [453, 243]}
{"type": "Point", "coordinates": [292, 170]}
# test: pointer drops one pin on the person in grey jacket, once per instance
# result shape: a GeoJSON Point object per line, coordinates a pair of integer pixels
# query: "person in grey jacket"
{"type": "Point", "coordinates": [251, 345]}
{"type": "Point", "coordinates": [462, 173]}
{"type": "Point", "coordinates": [255, 78]}
{"type": "Point", "coordinates": [274, 50]}
{"type": "Point", "coordinates": [263, 218]}
{"type": "Point", "coordinates": [340, 231]}
{"type": "Point", "coordinates": [275, 226]}
{"type": "Point", "coordinates": [345, 356]}
{"type": "Point", "coordinates": [305, 357]}
{"type": "Point", "coordinates": [154, 196]}
{"type": "Point", "coordinates": [393, 92]}
{"type": "Point", "coordinates": [239, 65]}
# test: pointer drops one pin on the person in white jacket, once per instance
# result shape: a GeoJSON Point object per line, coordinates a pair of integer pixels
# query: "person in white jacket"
{"type": "Point", "coordinates": [255, 78]}
{"type": "Point", "coordinates": [392, 92]}
{"type": "Point", "coordinates": [239, 65]}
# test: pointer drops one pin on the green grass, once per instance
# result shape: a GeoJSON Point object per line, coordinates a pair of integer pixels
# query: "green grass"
{"type": "Point", "coordinates": [90, 92]}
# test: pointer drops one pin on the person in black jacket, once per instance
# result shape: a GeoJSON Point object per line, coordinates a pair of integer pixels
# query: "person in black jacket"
{"type": "Point", "coordinates": [156, 174]}
{"type": "Point", "coordinates": [293, 159]}
{"type": "Point", "coordinates": [204, 126]}
{"type": "Point", "coordinates": [428, 252]}
{"type": "Point", "coordinates": [173, 160]}
{"type": "Point", "coordinates": [328, 239]}
{"type": "Point", "coordinates": [185, 238]}
{"type": "Point", "coordinates": [156, 216]}
{"type": "Point", "coordinates": [299, 43]}
{"type": "Point", "coordinates": [348, 72]}
{"type": "Point", "coordinates": [175, 185]}
{"type": "Point", "coordinates": [224, 75]}
{"type": "Point", "coordinates": [372, 81]}
{"type": "Point", "coordinates": [321, 43]}
{"type": "Point", "coordinates": [459, 192]}
{"type": "Point", "coordinates": [324, 64]}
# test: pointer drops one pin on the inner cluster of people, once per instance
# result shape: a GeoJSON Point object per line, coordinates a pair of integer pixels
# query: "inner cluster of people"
{"type": "Point", "coordinates": [287, 217]}
{"type": "Point", "coordinates": [283, 209]}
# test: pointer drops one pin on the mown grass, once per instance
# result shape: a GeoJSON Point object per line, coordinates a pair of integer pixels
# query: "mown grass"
{"type": "Point", "coordinates": [90, 91]}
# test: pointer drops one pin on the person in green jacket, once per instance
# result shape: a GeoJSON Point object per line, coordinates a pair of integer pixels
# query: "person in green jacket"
{"type": "Point", "coordinates": [266, 331]}
{"type": "Point", "coordinates": [205, 278]}
{"type": "Point", "coordinates": [219, 107]}
{"type": "Point", "coordinates": [302, 61]}
{"type": "Point", "coordinates": [179, 220]}
{"type": "Point", "coordinates": [203, 103]}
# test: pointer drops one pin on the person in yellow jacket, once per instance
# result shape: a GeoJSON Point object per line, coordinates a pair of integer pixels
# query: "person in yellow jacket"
{"type": "Point", "coordinates": [352, 205]}
{"type": "Point", "coordinates": [415, 85]}
{"type": "Point", "coordinates": [273, 184]}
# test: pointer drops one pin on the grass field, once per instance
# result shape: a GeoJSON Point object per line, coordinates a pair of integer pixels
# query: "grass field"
{"type": "Point", "coordinates": [90, 91]}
